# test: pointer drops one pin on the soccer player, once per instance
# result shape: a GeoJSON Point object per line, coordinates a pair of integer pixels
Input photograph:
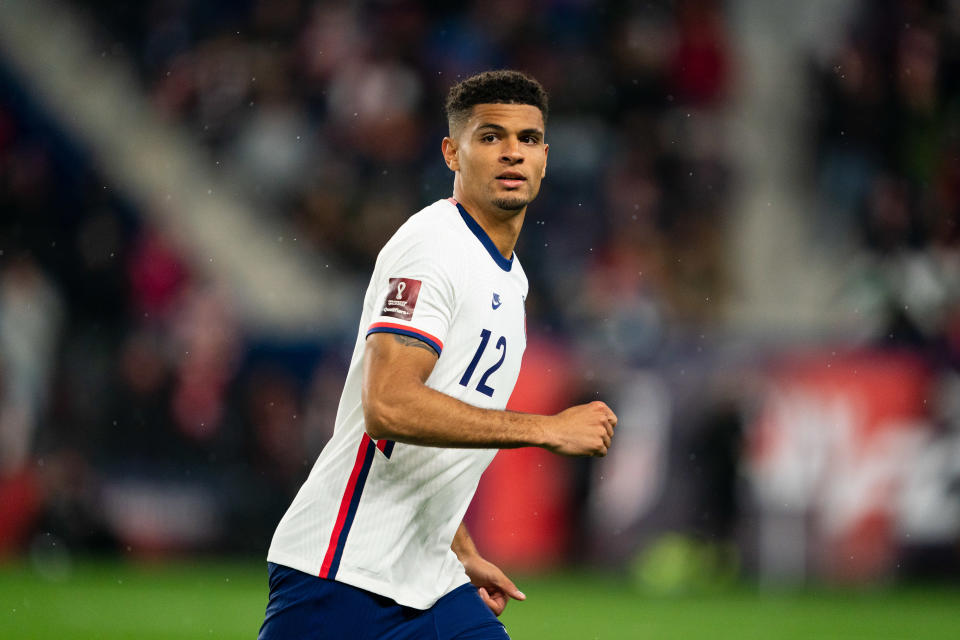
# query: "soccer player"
{"type": "Point", "coordinates": [373, 545]}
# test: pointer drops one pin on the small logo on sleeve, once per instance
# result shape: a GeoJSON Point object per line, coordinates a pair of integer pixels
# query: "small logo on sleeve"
{"type": "Point", "coordinates": [401, 298]}
{"type": "Point", "coordinates": [496, 301]}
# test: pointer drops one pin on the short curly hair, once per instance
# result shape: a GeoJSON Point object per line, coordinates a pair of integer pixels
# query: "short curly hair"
{"type": "Point", "coordinates": [493, 87]}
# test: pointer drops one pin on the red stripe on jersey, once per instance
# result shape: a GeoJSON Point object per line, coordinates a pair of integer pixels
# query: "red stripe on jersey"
{"type": "Point", "coordinates": [345, 506]}
{"type": "Point", "coordinates": [392, 325]}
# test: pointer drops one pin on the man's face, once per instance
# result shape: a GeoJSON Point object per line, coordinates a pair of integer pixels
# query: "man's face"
{"type": "Point", "coordinates": [500, 154]}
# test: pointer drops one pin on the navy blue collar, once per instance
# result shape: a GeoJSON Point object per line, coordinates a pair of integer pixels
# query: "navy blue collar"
{"type": "Point", "coordinates": [485, 240]}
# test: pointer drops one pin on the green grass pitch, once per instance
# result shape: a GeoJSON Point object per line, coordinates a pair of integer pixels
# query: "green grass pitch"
{"type": "Point", "coordinates": [170, 601]}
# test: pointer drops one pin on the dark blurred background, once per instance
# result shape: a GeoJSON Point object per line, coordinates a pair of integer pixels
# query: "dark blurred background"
{"type": "Point", "coordinates": [747, 243]}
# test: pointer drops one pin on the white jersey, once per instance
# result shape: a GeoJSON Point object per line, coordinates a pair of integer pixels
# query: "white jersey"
{"type": "Point", "coordinates": [381, 515]}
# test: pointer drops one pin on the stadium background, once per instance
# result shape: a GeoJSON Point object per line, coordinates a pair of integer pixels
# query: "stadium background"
{"type": "Point", "coordinates": [747, 243]}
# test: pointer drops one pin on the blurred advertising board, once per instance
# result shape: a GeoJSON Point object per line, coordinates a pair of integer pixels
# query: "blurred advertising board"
{"type": "Point", "coordinates": [845, 467]}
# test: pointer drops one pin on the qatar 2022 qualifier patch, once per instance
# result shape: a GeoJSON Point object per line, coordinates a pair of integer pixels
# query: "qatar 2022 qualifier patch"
{"type": "Point", "coordinates": [401, 299]}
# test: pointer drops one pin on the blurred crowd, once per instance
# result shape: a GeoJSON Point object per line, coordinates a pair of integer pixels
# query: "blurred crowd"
{"type": "Point", "coordinates": [134, 410]}
{"type": "Point", "coordinates": [855, 448]}
{"type": "Point", "coordinates": [138, 412]}
{"type": "Point", "coordinates": [139, 375]}
{"type": "Point", "coordinates": [885, 160]}
{"type": "Point", "coordinates": [332, 112]}
{"type": "Point", "coordinates": [887, 170]}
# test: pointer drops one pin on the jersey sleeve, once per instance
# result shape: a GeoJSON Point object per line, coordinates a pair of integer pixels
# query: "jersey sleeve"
{"type": "Point", "coordinates": [414, 293]}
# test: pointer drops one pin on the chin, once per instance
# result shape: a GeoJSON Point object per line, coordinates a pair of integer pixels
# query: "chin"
{"type": "Point", "coordinates": [511, 204]}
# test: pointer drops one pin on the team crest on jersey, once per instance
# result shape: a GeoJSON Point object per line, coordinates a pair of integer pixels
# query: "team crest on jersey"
{"type": "Point", "coordinates": [401, 298]}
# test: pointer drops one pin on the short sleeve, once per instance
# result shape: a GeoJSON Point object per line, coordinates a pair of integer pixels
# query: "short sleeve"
{"type": "Point", "coordinates": [414, 292]}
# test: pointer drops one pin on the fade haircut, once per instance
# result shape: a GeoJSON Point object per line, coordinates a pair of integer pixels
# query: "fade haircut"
{"type": "Point", "coordinates": [493, 87]}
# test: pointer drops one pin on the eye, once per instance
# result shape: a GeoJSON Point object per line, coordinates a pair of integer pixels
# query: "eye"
{"type": "Point", "coordinates": [488, 138]}
{"type": "Point", "coordinates": [529, 139]}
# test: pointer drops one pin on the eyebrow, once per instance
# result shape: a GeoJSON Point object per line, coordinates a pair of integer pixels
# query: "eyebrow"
{"type": "Point", "coordinates": [497, 127]}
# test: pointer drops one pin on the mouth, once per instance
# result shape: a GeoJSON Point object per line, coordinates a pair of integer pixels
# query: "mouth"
{"type": "Point", "coordinates": [511, 179]}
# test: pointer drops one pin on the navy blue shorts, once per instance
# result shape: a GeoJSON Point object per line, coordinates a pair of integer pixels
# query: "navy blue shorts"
{"type": "Point", "coordinates": [304, 606]}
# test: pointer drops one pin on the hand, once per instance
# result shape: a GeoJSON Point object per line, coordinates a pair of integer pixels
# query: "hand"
{"type": "Point", "coordinates": [494, 586]}
{"type": "Point", "coordinates": [584, 430]}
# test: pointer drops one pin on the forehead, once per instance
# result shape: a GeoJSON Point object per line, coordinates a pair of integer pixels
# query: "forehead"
{"type": "Point", "coordinates": [509, 116]}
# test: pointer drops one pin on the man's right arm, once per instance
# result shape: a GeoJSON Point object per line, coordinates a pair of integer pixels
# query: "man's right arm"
{"type": "Point", "coordinates": [398, 405]}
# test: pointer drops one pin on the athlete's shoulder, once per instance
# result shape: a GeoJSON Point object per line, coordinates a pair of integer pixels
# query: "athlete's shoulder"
{"type": "Point", "coordinates": [426, 240]}
{"type": "Point", "coordinates": [436, 218]}
{"type": "Point", "coordinates": [427, 231]}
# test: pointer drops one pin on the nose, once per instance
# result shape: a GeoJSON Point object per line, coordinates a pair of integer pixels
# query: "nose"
{"type": "Point", "coordinates": [510, 153]}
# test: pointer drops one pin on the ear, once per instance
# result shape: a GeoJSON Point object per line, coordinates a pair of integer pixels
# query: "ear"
{"type": "Point", "coordinates": [546, 150]}
{"type": "Point", "coordinates": [449, 148]}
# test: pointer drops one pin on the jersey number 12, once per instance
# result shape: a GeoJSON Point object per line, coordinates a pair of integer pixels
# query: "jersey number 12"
{"type": "Point", "coordinates": [482, 385]}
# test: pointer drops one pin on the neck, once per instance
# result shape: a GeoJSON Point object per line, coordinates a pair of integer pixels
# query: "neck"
{"type": "Point", "coordinates": [502, 226]}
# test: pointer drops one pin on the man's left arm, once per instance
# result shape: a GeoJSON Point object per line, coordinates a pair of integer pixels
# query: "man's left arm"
{"type": "Point", "coordinates": [494, 586]}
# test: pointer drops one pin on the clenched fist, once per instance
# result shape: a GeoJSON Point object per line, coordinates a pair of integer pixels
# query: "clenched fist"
{"type": "Point", "coordinates": [583, 430]}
